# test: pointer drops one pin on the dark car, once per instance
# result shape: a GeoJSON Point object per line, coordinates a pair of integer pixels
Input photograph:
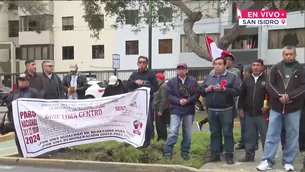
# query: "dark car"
{"type": "Point", "coordinates": [4, 93]}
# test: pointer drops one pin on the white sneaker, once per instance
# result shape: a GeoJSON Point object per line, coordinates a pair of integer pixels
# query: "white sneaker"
{"type": "Point", "coordinates": [288, 167]}
{"type": "Point", "coordinates": [264, 165]}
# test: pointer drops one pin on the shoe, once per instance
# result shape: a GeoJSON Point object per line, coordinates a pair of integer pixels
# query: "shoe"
{"type": "Point", "coordinates": [240, 147]}
{"type": "Point", "coordinates": [212, 159]}
{"type": "Point", "coordinates": [199, 125]}
{"type": "Point", "coordinates": [168, 157]}
{"type": "Point", "coordinates": [264, 165]}
{"type": "Point", "coordinates": [229, 160]}
{"type": "Point", "coordinates": [288, 167]}
{"type": "Point", "coordinates": [186, 157]}
{"type": "Point", "coordinates": [246, 159]}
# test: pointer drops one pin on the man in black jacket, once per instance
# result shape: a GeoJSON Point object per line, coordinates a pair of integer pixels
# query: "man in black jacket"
{"type": "Point", "coordinates": [286, 87]}
{"type": "Point", "coordinates": [75, 83]}
{"type": "Point", "coordinates": [115, 87]}
{"type": "Point", "coordinates": [24, 91]}
{"type": "Point", "coordinates": [251, 108]}
{"type": "Point", "coordinates": [144, 77]}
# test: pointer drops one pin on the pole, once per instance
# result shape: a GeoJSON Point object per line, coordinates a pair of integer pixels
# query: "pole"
{"type": "Point", "coordinates": [150, 34]}
{"type": "Point", "coordinates": [115, 72]}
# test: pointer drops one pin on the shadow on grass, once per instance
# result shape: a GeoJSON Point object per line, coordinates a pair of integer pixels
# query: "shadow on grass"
{"type": "Point", "coordinates": [112, 151]}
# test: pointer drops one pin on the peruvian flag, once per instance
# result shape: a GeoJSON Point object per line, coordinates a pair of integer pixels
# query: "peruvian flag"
{"type": "Point", "coordinates": [213, 50]}
{"type": "Point", "coordinates": [238, 11]}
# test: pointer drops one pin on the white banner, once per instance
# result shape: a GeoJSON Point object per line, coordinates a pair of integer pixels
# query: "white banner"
{"type": "Point", "coordinates": [47, 125]}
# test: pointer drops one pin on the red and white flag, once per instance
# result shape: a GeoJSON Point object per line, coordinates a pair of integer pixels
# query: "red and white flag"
{"type": "Point", "coordinates": [213, 50]}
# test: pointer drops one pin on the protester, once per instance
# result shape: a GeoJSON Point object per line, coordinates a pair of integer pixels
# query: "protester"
{"type": "Point", "coordinates": [251, 108]}
{"type": "Point", "coordinates": [50, 84]}
{"type": "Point", "coordinates": [219, 90]}
{"type": "Point", "coordinates": [31, 73]}
{"type": "Point", "coordinates": [182, 92]}
{"type": "Point", "coordinates": [247, 71]}
{"type": "Point", "coordinates": [24, 91]}
{"type": "Point", "coordinates": [76, 83]}
{"type": "Point", "coordinates": [144, 77]}
{"type": "Point", "coordinates": [115, 87]}
{"type": "Point", "coordinates": [162, 112]}
{"type": "Point", "coordinates": [286, 87]}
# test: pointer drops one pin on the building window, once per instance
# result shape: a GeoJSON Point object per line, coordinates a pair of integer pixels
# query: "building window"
{"type": "Point", "coordinates": [131, 17]}
{"type": "Point", "coordinates": [98, 52]}
{"type": "Point", "coordinates": [13, 28]}
{"type": "Point", "coordinates": [36, 52]}
{"type": "Point", "coordinates": [68, 53]}
{"type": "Point", "coordinates": [278, 39]}
{"type": "Point", "coordinates": [67, 23]}
{"type": "Point", "coordinates": [132, 47]}
{"type": "Point", "coordinates": [245, 42]}
{"type": "Point", "coordinates": [200, 38]}
{"type": "Point", "coordinates": [165, 15]}
{"type": "Point", "coordinates": [36, 23]}
{"type": "Point", "coordinates": [18, 53]}
{"type": "Point", "coordinates": [165, 46]}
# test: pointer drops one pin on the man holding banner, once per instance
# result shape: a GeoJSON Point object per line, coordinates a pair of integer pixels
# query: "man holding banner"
{"type": "Point", "coordinates": [144, 77]}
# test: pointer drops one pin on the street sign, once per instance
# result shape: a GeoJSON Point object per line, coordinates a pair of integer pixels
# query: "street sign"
{"type": "Point", "coordinates": [115, 61]}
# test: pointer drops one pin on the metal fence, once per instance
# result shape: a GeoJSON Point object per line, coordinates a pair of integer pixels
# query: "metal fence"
{"type": "Point", "coordinates": [199, 74]}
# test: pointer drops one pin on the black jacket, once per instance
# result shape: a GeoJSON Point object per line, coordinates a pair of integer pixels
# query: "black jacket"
{"type": "Point", "coordinates": [82, 84]}
{"type": "Point", "coordinates": [149, 78]}
{"type": "Point", "coordinates": [20, 93]}
{"type": "Point", "coordinates": [51, 88]}
{"type": "Point", "coordinates": [295, 88]}
{"type": "Point", "coordinates": [252, 95]}
{"type": "Point", "coordinates": [115, 90]}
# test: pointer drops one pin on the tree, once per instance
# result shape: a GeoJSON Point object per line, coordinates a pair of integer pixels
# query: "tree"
{"type": "Point", "coordinates": [118, 8]}
{"type": "Point", "coordinates": [35, 9]}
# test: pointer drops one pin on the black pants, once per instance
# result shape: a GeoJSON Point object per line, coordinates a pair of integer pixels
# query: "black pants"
{"type": "Point", "coordinates": [161, 122]}
{"type": "Point", "coordinates": [18, 145]}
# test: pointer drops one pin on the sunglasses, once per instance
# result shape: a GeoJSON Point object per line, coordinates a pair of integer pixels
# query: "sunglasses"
{"type": "Point", "coordinates": [49, 66]}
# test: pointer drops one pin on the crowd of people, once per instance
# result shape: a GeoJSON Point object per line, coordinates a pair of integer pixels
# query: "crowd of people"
{"type": "Point", "coordinates": [269, 104]}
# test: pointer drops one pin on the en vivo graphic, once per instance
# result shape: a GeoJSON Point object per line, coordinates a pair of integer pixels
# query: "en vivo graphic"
{"type": "Point", "coordinates": [261, 17]}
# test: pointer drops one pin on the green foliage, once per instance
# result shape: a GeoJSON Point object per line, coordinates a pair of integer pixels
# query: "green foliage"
{"type": "Point", "coordinates": [112, 151]}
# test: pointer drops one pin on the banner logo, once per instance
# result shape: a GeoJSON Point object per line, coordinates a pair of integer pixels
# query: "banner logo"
{"type": "Point", "coordinates": [262, 17]}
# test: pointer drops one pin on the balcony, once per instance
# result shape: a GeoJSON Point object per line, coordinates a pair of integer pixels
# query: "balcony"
{"type": "Point", "coordinates": [30, 38]}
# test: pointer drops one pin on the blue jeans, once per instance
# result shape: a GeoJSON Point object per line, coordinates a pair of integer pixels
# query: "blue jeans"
{"type": "Point", "coordinates": [187, 126]}
{"type": "Point", "coordinates": [242, 130]}
{"type": "Point", "coordinates": [150, 124]}
{"type": "Point", "coordinates": [221, 121]}
{"type": "Point", "coordinates": [291, 148]}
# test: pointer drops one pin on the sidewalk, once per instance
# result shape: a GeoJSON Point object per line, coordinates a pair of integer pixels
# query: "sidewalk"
{"type": "Point", "coordinates": [8, 147]}
{"type": "Point", "coordinates": [251, 166]}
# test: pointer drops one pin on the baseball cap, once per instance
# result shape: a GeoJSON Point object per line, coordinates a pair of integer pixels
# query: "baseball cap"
{"type": "Point", "coordinates": [181, 64]}
{"type": "Point", "coordinates": [160, 76]}
{"type": "Point", "coordinates": [73, 67]}
{"type": "Point", "coordinates": [112, 80]}
{"type": "Point", "coordinates": [23, 76]}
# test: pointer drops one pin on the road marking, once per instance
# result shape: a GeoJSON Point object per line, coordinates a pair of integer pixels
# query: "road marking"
{"type": "Point", "coordinates": [6, 167]}
{"type": "Point", "coordinates": [8, 148]}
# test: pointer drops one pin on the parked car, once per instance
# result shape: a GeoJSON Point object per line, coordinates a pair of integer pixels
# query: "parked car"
{"type": "Point", "coordinates": [96, 89]}
{"type": "Point", "coordinates": [4, 93]}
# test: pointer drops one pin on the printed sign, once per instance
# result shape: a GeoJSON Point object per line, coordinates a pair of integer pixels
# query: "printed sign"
{"type": "Point", "coordinates": [47, 125]}
{"type": "Point", "coordinates": [115, 61]}
{"type": "Point", "coordinates": [262, 17]}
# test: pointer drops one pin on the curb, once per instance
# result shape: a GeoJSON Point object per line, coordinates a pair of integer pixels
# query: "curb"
{"type": "Point", "coordinates": [6, 137]}
{"type": "Point", "coordinates": [94, 165]}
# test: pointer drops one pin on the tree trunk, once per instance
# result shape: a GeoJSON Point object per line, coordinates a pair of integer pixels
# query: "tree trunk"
{"type": "Point", "coordinates": [225, 41]}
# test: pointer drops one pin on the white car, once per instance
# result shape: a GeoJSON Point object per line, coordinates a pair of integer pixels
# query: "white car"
{"type": "Point", "coordinates": [96, 89]}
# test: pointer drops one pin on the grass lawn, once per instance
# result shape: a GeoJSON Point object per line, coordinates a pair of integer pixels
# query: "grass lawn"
{"type": "Point", "coordinates": [120, 152]}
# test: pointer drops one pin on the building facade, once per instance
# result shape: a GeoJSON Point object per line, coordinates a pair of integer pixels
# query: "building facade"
{"type": "Point", "coordinates": [60, 35]}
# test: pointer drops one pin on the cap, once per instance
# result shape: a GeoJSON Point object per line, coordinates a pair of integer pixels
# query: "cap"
{"type": "Point", "coordinates": [112, 80]}
{"type": "Point", "coordinates": [73, 67]}
{"type": "Point", "coordinates": [160, 76]}
{"type": "Point", "coordinates": [182, 65]}
{"type": "Point", "coordinates": [23, 76]}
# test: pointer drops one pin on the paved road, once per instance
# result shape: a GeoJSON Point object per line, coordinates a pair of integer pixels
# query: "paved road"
{"type": "Point", "coordinates": [5, 168]}
{"type": "Point", "coordinates": [7, 147]}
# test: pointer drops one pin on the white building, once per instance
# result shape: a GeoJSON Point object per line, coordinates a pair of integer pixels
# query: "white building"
{"type": "Point", "coordinates": [170, 47]}
{"type": "Point", "coordinates": [64, 39]}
